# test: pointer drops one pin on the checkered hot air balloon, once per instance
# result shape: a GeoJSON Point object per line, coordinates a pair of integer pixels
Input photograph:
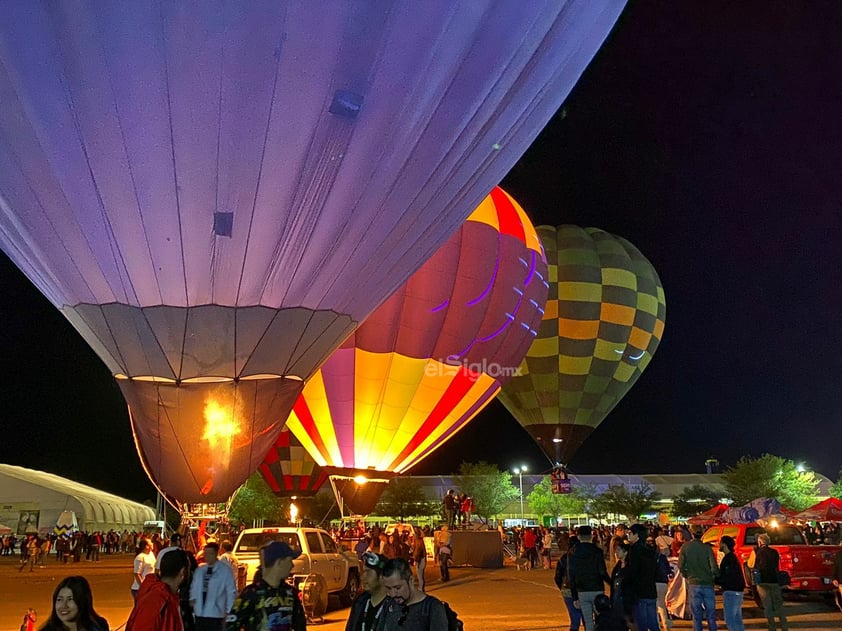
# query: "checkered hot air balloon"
{"type": "Point", "coordinates": [216, 194]}
{"type": "Point", "coordinates": [433, 355]}
{"type": "Point", "coordinates": [603, 322]}
{"type": "Point", "coordinates": [289, 470]}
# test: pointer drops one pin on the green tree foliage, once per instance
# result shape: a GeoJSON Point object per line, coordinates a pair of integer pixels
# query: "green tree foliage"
{"type": "Point", "coordinates": [491, 489]}
{"type": "Point", "coordinates": [771, 476]}
{"type": "Point", "coordinates": [542, 501]}
{"type": "Point", "coordinates": [631, 502]}
{"type": "Point", "coordinates": [694, 500]}
{"type": "Point", "coordinates": [404, 497]}
{"type": "Point", "coordinates": [255, 501]}
{"type": "Point", "coordinates": [592, 504]}
{"type": "Point", "coordinates": [324, 507]}
{"type": "Point", "coordinates": [836, 487]}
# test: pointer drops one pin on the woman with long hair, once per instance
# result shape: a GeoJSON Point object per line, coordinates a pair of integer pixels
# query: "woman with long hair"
{"type": "Point", "coordinates": [73, 608]}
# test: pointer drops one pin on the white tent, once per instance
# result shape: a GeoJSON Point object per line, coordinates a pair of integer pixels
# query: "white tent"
{"type": "Point", "coordinates": [33, 500]}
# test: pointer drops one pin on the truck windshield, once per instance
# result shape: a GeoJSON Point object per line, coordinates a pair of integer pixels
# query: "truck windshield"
{"type": "Point", "coordinates": [253, 541]}
{"type": "Point", "coordinates": [780, 536]}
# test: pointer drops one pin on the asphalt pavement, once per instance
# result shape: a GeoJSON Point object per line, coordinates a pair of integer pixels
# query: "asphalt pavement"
{"type": "Point", "coordinates": [498, 600]}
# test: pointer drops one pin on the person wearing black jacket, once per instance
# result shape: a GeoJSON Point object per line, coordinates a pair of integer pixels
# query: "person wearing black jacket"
{"type": "Point", "coordinates": [733, 583]}
{"type": "Point", "coordinates": [639, 580]}
{"type": "Point", "coordinates": [587, 575]}
{"type": "Point", "coordinates": [766, 566]}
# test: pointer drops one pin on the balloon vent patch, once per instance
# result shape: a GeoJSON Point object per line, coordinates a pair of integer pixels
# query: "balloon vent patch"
{"type": "Point", "coordinates": [223, 224]}
{"type": "Point", "coordinates": [346, 104]}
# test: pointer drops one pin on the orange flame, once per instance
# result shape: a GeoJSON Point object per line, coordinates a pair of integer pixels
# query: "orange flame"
{"type": "Point", "coordinates": [221, 425]}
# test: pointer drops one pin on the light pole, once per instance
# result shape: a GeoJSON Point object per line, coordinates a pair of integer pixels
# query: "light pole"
{"type": "Point", "coordinates": [520, 471]}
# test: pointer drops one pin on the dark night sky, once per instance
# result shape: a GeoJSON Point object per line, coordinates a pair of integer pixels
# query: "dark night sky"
{"type": "Point", "coordinates": [709, 134]}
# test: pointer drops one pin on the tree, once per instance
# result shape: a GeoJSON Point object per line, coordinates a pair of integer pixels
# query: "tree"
{"type": "Point", "coordinates": [592, 504]}
{"type": "Point", "coordinates": [631, 502]}
{"type": "Point", "coordinates": [404, 497]}
{"type": "Point", "coordinates": [491, 489]}
{"type": "Point", "coordinates": [255, 501]}
{"type": "Point", "coordinates": [771, 476]}
{"type": "Point", "coordinates": [836, 487]}
{"type": "Point", "coordinates": [542, 501]}
{"type": "Point", "coordinates": [324, 508]}
{"type": "Point", "coordinates": [694, 500]}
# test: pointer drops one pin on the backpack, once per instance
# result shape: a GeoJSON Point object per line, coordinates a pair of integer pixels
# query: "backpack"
{"type": "Point", "coordinates": [453, 622]}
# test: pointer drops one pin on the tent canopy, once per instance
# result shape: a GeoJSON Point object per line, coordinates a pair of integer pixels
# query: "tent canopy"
{"type": "Point", "coordinates": [827, 510]}
{"type": "Point", "coordinates": [46, 496]}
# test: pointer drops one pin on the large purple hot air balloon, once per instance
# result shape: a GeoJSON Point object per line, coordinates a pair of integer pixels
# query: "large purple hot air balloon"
{"type": "Point", "coordinates": [215, 194]}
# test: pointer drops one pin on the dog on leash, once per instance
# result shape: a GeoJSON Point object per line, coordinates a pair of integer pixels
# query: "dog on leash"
{"type": "Point", "coordinates": [523, 563]}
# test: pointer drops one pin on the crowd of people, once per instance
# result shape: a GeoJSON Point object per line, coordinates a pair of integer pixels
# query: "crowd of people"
{"type": "Point", "coordinates": [632, 595]}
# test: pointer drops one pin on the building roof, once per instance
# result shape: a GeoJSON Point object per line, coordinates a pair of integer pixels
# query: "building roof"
{"type": "Point", "coordinates": [101, 510]}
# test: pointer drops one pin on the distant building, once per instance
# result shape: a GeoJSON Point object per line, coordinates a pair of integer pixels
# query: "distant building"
{"type": "Point", "coordinates": [32, 501]}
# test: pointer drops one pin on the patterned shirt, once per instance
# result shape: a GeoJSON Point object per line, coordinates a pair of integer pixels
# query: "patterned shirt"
{"type": "Point", "coordinates": [261, 607]}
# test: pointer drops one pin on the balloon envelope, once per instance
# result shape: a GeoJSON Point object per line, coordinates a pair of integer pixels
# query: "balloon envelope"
{"type": "Point", "coordinates": [221, 191]}
{"type": "Point", "coordinates": [603, 322]}
{"type": "Point", "coordinates": [433, 355]}
{"type": "Point", "coordinates": [289, 470]}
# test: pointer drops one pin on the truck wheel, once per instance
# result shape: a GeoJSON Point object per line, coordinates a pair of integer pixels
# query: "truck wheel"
{"type": "Point", "coordinates": [351, 589]}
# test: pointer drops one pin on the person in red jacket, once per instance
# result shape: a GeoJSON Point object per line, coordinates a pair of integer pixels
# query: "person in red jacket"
{"type": "Point", "coordinates": [156, 607]}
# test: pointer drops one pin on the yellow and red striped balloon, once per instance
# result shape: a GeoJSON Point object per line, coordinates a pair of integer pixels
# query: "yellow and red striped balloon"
{"type": "Point", "coordinates": [434, 354]}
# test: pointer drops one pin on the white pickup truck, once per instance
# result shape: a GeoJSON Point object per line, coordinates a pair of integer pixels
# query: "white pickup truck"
{"type": "Point", "coordinates": [319, 555]}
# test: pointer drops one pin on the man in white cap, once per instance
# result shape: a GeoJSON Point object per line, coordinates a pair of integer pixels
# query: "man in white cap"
{"type": "Point", "coordinates": [270, 603]}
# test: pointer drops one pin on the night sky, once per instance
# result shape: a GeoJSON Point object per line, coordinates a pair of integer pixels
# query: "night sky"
{"type": "Point", "coordinates": [709, 134]}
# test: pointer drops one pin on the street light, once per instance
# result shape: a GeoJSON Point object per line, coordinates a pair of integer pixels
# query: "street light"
{"type": "Point", "coordinates": [520, 471]}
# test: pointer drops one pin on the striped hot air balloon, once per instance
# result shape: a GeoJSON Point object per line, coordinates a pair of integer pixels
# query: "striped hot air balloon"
{"type": "Point", "coordinates": [431, 357]}
{"type": "Point", "coordinates": [603, 322]}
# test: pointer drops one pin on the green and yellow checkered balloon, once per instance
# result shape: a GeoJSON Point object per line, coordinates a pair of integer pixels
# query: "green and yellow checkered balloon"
{"type": "Point", "coordinates": [603, 320]}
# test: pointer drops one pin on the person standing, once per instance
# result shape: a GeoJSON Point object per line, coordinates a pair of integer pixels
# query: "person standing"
{"type": "Point", "coordinates": [733, 584]}
{"type": "Point", "coordinates": [144, 565]}
{"type": "Point", "coordinates": [156, 607]}
{"type": "Point", "coordinates": [640, 578]}
{"type": "Point", "coordinates": [212, 591]}
{"type": "Point", "coordinates": [269, 603]}
{"type": "Point", "coordinates": [562, 581]}
{"type": "Point", "coordinates": [227, 557]}
{"type": "Point", "coordinates": [445, 552]}
{"type": "Point", "coordinates": [408, 609]}
{"type": "Point", "coordinates": [368, 606]}
{"type": "Point", "coordinates": [419, 556]}
{"type": "Point", "coordinates": [767, 565]}
{"type": "Point", "coordinates": [73, 608]}
{"type": "Point", "coordinates": [588, 575]}
{"type": "Point", "coordinates": [697, 565]}
{"type": "Point", "coordinates": [662, 580]}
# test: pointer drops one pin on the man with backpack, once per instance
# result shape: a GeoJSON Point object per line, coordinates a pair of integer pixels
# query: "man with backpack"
{"type": "Point", "coordinates": [587, 575]}
{"type": "Point", "coordinates": [409, 609]}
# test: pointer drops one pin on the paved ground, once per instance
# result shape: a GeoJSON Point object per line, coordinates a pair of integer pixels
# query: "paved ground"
{"type": "Point", "coordinates": [498, 600]}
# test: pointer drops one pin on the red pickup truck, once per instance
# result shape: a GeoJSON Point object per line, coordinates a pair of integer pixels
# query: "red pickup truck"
{"type": "Point", "coordinates": [809, 567]}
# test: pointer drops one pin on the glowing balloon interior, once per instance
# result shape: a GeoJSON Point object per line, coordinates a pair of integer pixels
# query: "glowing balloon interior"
{"type": "Point", "coordinates": [433, 355]}
{"type": "Point", "coordinates": [603, 322]}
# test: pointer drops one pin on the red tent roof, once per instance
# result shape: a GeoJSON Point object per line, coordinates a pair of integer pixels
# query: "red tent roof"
{"type": "Point", "coordinates": [828, 510]}
{"type": "Point", "coordinates": [709, 517]}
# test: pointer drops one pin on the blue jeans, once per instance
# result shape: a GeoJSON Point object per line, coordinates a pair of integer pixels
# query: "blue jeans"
{"type": "Point", "coordinates": [645, 613]}
{"type": "Point", "coordinates": [575, 614]}
{"type": "Point", "coordinates": [732, 602]}
{"type": "Point", "coordinates": [702, 599]}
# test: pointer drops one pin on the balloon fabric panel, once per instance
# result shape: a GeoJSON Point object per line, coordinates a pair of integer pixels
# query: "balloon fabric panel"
{"type": "Point", "coordinates": [603, 322]}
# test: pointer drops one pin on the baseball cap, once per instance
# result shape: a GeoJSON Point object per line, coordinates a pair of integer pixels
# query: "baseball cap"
{"type": "Point", "coordinates": [163, 553]}
{"type": "Point", "coordinates": [374, 561]}
{"type": "Point", "coordinates": [277, 550]}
